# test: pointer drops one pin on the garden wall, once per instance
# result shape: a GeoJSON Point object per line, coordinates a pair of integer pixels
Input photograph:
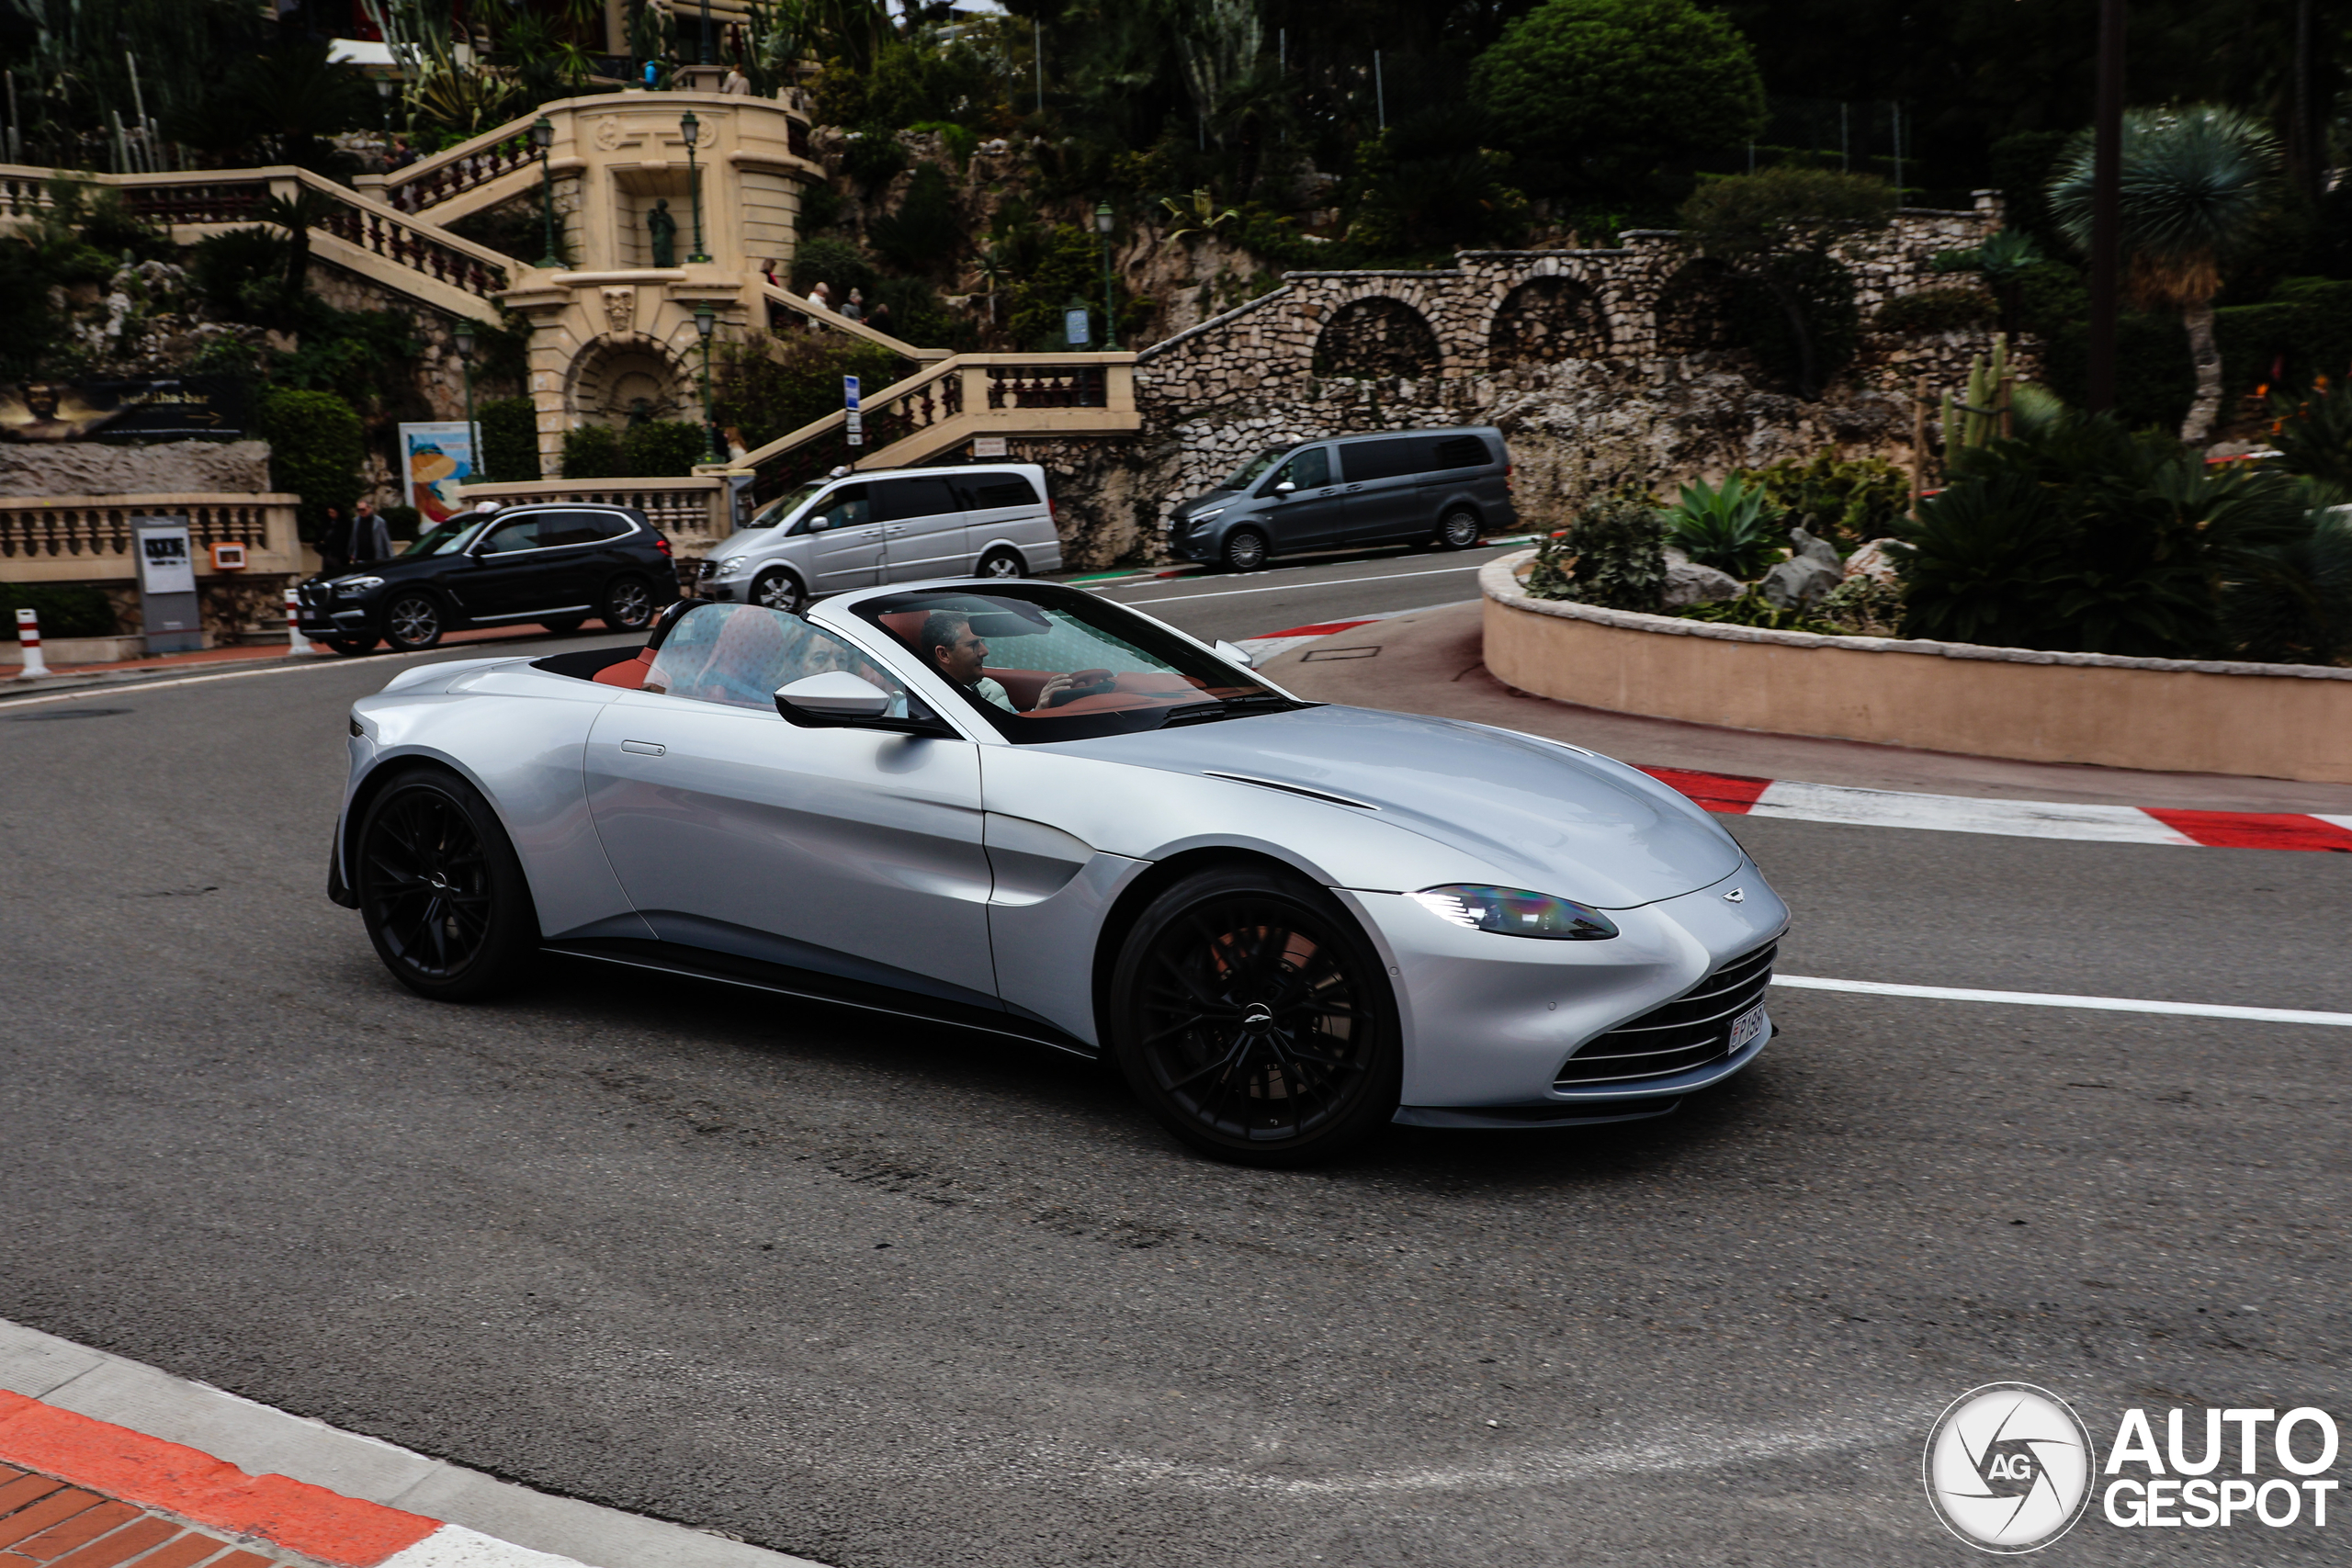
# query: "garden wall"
{"type": "Point", "coordinates": [2286, 721]}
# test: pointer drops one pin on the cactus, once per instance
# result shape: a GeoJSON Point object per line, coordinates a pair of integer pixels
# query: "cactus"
{"type": "Point", "coordinates": [1976, 419]}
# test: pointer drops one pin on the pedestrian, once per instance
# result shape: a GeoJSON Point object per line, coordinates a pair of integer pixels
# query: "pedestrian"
{"type": "Point", "coordinates": [334, 543]}
{"type": "Point", "coordinates": [370, 540]}
{"type": "Point", "coordinates": [820, 296]}
{"type": "Point", "coordinates": [737, 85]}
{"type": "Point", "coordinates": [652, 74]}
{"type": "Point", "coordinates": [879, 315]}
{"type": "Point", "coordinates": [401, 155]}
{"type": "Point", "coordinates": [854, 307]}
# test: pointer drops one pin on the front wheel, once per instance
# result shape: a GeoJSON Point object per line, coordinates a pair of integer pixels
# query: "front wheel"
{"type": "Point", "coordinates": [1458, 529]}
{"type": "Point", "coordinates": [777, 589]}
{"type": "Point", "coordinates": [629, 605]}
{"type": "Point", "coordinates": [441, 889]}
{"type": "Point", "coordinates": [1000, 562]}
{"type": "Point", "coordinates": [1254, 1019]}
{"type": "Point", "coordinates": [412, 623]}
{"type": "Point", "coordinates": [1245, 550]}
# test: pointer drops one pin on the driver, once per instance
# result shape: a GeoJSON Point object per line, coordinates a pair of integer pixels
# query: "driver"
{"type": "Point", "coordinates": [950, 646]}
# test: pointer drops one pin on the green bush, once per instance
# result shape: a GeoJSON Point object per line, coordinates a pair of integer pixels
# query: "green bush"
{"type": "Point", "coordinates": [1935, 311]}
{"type": "Point", "coordinates": [403, 523]}
{"type": "Point", "coordinates": [1847, 503]}
{"type": "Point", "coordinates": [317, 445]}
{"type": "Point", "coordinates": [924, 235]}
{"type": "Point", "coordinates": [765, 391]}
{"type": "Point", "coordinates": [2291, 603]}
{"type": "Point", "coordinates": [1732, 528]}
{"type": "Point", "coordinates": [835, 262]}
{"type": "Point", "coordinates": [510, 440]}
{"type": "Point", "coordinates": [65, 610]}
{"type": "Point", "coordinates": [1613, 555]}
{"type": "Point", "coordinates": [591, 452]}
{"type": "Point", "coordinates": [237, 273]}
{"type": "Point", "coordinates": [874, 159]}
{"type": "Point", "coordinates": [661, 448]}
{"type": "Point", "coordinates": [1752, 609]}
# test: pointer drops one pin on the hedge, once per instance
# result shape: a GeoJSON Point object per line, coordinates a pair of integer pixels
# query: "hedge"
{"type": "Point", "coordinates": [65, 610]}
{"type": "Point", "coordinates": [509, 441]}
{"type": "Point", "coordinates": [667, 448]}
{"type": "Point", "coordinates": [316, 448]}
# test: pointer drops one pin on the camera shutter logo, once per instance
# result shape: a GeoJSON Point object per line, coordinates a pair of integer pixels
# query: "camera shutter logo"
{"type": "Point", "coordinates": [2008, 1467]}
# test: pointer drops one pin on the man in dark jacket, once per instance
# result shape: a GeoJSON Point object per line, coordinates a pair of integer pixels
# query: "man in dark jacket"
{"type": "Point", "coordinates": [334, 543]}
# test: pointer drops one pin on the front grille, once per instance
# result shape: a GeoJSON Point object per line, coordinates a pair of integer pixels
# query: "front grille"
{"type": "Point", "coordinates": [704, 570]}
{"type": "Point", "coordinates": [1688, 1032]}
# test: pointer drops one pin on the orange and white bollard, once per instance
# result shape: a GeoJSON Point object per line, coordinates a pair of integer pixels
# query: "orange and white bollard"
{"type": "Point", "coordinates": [29, 638]}
{"type": "Point", "coordinates": [299, 645]}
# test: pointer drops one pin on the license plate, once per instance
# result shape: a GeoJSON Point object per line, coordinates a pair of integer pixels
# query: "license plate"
{"type": "Point", "coordinates": [1746, 1026]}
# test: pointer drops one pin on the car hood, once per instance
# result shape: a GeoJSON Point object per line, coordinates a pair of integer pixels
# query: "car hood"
{"type": "Point", "coordinates": [1192, 503]}
{"type": "Point", "coordinates": [1560, 820]}
{"type": "Point", "coordinates": [396, 570]}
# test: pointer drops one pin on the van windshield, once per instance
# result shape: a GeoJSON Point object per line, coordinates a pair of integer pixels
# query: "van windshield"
{"type": "Point", "coordinates": [1248, 473]}
{"type": "Point", "coordinates": [784, 507]}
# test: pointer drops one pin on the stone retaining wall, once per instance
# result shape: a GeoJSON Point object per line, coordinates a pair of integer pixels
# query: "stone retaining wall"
{"type": "Point", "coordinates": [2287, 721]}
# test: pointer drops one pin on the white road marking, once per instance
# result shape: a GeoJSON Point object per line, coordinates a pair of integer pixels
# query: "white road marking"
{"type": "Point", "coordinates": [1297, 587]}
{"type": "Point", "coordinates": [2053, 999]}
{"type": "Point", "coordinates": [1959, 814]}
{"type": "Point", "coordinates": [1689, 1450]}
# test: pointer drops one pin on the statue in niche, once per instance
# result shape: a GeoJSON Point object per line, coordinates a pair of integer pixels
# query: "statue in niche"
{"type": "Point", "coordinates": [662, 230]}
{"type": "Point", "coordinates": [620, 310]}
{"type": "Point", "coordinates": [640, 412]}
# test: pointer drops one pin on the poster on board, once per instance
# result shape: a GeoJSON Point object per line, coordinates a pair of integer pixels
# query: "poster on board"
{"type": "Point", "coordinates": [435, 458]}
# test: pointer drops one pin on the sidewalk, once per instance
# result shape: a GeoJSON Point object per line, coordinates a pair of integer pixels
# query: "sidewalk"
{"type": "Point", "coordinates": [1431, 661]}
{"type": "Point", "coordinates": [108, 1463]}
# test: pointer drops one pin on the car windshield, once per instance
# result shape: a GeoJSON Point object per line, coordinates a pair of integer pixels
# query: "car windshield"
{"type": "Point", "coordinates": [782, 508]}
{"type": "Point", "coordinates": [1044, 663]}
{"type": "Point", "coordinates": [447, 539]}
{"type": "Point", "coordinates": [1248, 473]}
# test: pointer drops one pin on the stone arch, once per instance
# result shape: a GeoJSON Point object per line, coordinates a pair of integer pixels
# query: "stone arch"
{"type": "Point", "coordinates": [620, 376]}
{"type": "Point", "coordinates": [1377, 336]}
{"type": "Point", "coordinates": [1545, 320]}
{"type": "Point", "coordinates": [1692, 310]}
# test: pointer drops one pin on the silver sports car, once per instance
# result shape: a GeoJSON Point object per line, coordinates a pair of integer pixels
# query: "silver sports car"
{"type": "Point", "coordinates": [1020, 808]}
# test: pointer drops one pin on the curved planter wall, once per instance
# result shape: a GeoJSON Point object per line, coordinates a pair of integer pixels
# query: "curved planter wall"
{"type": "Point", "coordinates": [2285, 721]}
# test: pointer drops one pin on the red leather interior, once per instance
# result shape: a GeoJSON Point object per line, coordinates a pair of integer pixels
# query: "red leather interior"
{"type": "Point", "coordinates": [1021, 686]}
{"type": "Point", "coordinates": [905, 625]}
{"type": "Point", "coordinates": [629, 673]}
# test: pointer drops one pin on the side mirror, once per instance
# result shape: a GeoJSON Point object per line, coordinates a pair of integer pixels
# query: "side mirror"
{"type": "Point", "coordinates": [1285, 488]}
{"type": "Point", "coordinates": [1235, 653]}
{"type": "Point", "coordinates": [835, 694]}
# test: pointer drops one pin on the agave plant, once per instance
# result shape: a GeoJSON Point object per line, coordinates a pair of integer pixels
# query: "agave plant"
{"type": "Point", "coordinates": [1730, 528]}
{"type": "Point", "coordinates": [1195, 214]}
{"type": "Point", "coordinates": [2003, 262]}
{"type": "Point", "coordinates": [2195, 180]}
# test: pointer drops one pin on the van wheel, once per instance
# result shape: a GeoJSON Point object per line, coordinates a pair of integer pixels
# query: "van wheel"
{"type": "Point", "coordinates": [776, 589]}
{"type": "Point", "coordinates": [1002, 563]}
{"type": "Point", "coordinates": [1245, 550]}
{"type": "Point", "coordinates": [1458, 529]}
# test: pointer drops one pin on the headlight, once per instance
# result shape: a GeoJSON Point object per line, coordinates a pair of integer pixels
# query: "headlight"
{"type": "Point", "coordinates": [730, 568]}
{"type": "Point", "coordinates": [1514, 911]}
{"type": "Point", "coordinates": [1197, 518]}
{"type": "Point", "coordinates": [349, 586]}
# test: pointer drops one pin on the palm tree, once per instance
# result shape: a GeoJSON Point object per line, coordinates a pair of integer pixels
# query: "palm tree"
{"type": "Point", "coordinates": [2194, 181]}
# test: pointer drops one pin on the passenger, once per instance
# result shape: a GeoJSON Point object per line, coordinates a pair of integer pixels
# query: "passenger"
{"type": "Point", "coordinates": [949, 645]}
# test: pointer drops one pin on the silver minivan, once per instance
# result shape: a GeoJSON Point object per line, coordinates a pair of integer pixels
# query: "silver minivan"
{"type": "Point", "coordinates": [861, 530]}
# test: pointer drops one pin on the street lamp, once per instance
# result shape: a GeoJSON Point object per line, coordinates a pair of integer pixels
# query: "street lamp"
{"type": "Point", "coordinates": [462, 335]}
{"type": "Point", "coordinates": [1103, 220]}
{"type": "Point", "coordinates": [543, 138]}
{"type": "Point", "coordinates": [689, 127]}
{"type": "Point", "coordinates": [705, 317]}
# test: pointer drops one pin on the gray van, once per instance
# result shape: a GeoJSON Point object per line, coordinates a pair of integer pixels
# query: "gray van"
{"type": "Point", "coordinates": [861, 530]}
{"type": "Point", "coordinates": [1441, 486]}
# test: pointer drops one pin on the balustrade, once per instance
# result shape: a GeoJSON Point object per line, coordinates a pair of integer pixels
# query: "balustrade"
{"type": "Point", "coordinates": [416, 189]}
{"type": "Point", "coordinates": [1047, 386]}
{"type": "Point", "coordinates": [54, 528]}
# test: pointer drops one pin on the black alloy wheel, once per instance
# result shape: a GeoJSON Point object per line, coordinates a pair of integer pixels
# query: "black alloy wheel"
{"type": "Point", "coordinates": [1458, 529]}
{"type": "Point", "coordinates": [627, 605]}
{"type": "Point", "coordinates": [350, 647]}
{"type": "Point", "coordinates": [1255, 1021]}
{"type": "Point", "coordinates": [564, 626]}
{"type": "Point", "coordinates": [1000, 562]}
{"type": "Point", "coordinates": [776, 589]}
{"type": "Point", "coordinates": [440, 888]}
{"type": "Point", "coordinates": [1245, 550]}
{"type": "Point", "coordinates": [413, 622]}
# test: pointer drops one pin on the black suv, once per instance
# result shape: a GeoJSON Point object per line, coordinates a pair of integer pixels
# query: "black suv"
{"type": "Point", "coordinates": [556, 564]}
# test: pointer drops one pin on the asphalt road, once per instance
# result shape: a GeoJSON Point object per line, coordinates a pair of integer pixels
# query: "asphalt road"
{"type": "Point", "coordinates": [894, 1297]}
{"type": "Point", "coordinates": [1306, 590]}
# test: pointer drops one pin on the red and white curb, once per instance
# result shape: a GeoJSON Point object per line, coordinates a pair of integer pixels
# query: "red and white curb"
{"type": "Point", "coordinates": [1734, 795]}
{"type": "Point", "coordinates": [279, 1483]}
{"type": "Point", "coordinates": [1264, 648]}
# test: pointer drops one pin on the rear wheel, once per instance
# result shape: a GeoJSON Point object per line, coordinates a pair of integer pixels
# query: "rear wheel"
{"type": "Point", "coordinates": [351, 647]}
{"type": "Point", "coordinates": [441, 889]}
{"type": "Point", "coordinates": [1255, 1021]}
{"type": "Point", "coordinates": [627, 605]}
{"type": "Point", "coordinates": [1245, 550]}
{"type": "Point", "coordinates": [779, 590]}
{"type": "Point", "coordinates": [1458, 529]}
{"type": "Point", "coordinates": [1002, 563]}
{"type": "Point", "coordinates": [413, 622]}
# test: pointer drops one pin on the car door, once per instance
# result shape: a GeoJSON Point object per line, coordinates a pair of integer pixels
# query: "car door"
{"type": "Point", "coordinates": [922, 528]}
{"type": "Point", "coordinates": [508, 578]}
{"type": "Point", "coordinates": [582, 554]}
{"type": "Point", "coordinates": [846, 549]}
{"type": "Point", "coordinates": [1002, 505]}
{"type": "Point", "coordinates": [1310, 514]}
{"type": "Point", "coordinates": [1384, 489]}
{"type": "Point", "coordinates": [853, 854]}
